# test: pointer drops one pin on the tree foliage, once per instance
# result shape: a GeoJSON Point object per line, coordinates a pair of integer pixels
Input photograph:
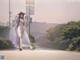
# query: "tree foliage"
{"type": "Point", "coordinates": [67, 36]}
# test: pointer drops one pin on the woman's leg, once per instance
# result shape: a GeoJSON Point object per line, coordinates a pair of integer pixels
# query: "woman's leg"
{"type": "Point", "coordinates": [19, 37]}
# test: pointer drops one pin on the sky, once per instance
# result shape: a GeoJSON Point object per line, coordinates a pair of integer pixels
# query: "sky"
{"type": "Point", "coordinates": [51, 11]}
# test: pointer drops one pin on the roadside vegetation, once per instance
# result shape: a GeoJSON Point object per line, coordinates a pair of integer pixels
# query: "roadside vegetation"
{"type": "Point", "coordinates": [4, 42]}
{"type": "Point", "coordinates": [65, 36]}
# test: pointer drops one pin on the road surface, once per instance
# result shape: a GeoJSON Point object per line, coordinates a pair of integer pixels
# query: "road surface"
{"type": "Point", "coordinates": [40, 55]}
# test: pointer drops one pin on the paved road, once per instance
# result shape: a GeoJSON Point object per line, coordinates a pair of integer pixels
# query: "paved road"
{"type": "Point", "coordinates": [40, 55]}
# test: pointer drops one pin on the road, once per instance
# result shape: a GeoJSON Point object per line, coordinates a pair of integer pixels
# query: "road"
{"type": "Point", "coordinates": [40, 55]}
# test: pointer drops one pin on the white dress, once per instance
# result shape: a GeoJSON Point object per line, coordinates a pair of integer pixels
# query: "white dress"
{"type": "Point", "coordinates": [15, 33]}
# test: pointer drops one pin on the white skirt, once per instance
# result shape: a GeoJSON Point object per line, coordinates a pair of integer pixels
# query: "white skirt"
{"type": "Point", "coordinates": [15, 34]}
{"type": "Point", "coordinates": [25, 36]}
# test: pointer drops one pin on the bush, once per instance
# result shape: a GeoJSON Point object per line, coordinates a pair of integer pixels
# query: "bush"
{"type": "Point", "coordinates": [32, 39]}
{"type": "Point", "coordinates": [6, 44]}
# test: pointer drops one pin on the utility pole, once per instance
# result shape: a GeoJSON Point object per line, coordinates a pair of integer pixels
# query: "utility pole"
{"type": "Point", "coordinates": [9, 13]}
{"type": "Point", "coordinates": [29, 17]}
{"type": "Point", "coordinates": [29, 12]}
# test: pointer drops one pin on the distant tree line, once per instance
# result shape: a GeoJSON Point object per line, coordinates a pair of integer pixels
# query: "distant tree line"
{"type": "Point", "coordinates": [65, 36]}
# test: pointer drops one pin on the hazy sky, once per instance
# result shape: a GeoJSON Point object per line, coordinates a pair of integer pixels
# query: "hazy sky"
{"type": "Point", "coordinates": [56, 11]}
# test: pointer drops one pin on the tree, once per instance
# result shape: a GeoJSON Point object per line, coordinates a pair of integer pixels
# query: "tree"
{"type": "Point", "coordinates": [67, 36]}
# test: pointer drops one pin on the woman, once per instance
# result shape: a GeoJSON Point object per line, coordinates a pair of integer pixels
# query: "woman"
{"type": "Point", "coordinates": [21, 31]}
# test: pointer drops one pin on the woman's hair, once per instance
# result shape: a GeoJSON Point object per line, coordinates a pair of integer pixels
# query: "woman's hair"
{"type": "Point", "coordinates": [20, 16]}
